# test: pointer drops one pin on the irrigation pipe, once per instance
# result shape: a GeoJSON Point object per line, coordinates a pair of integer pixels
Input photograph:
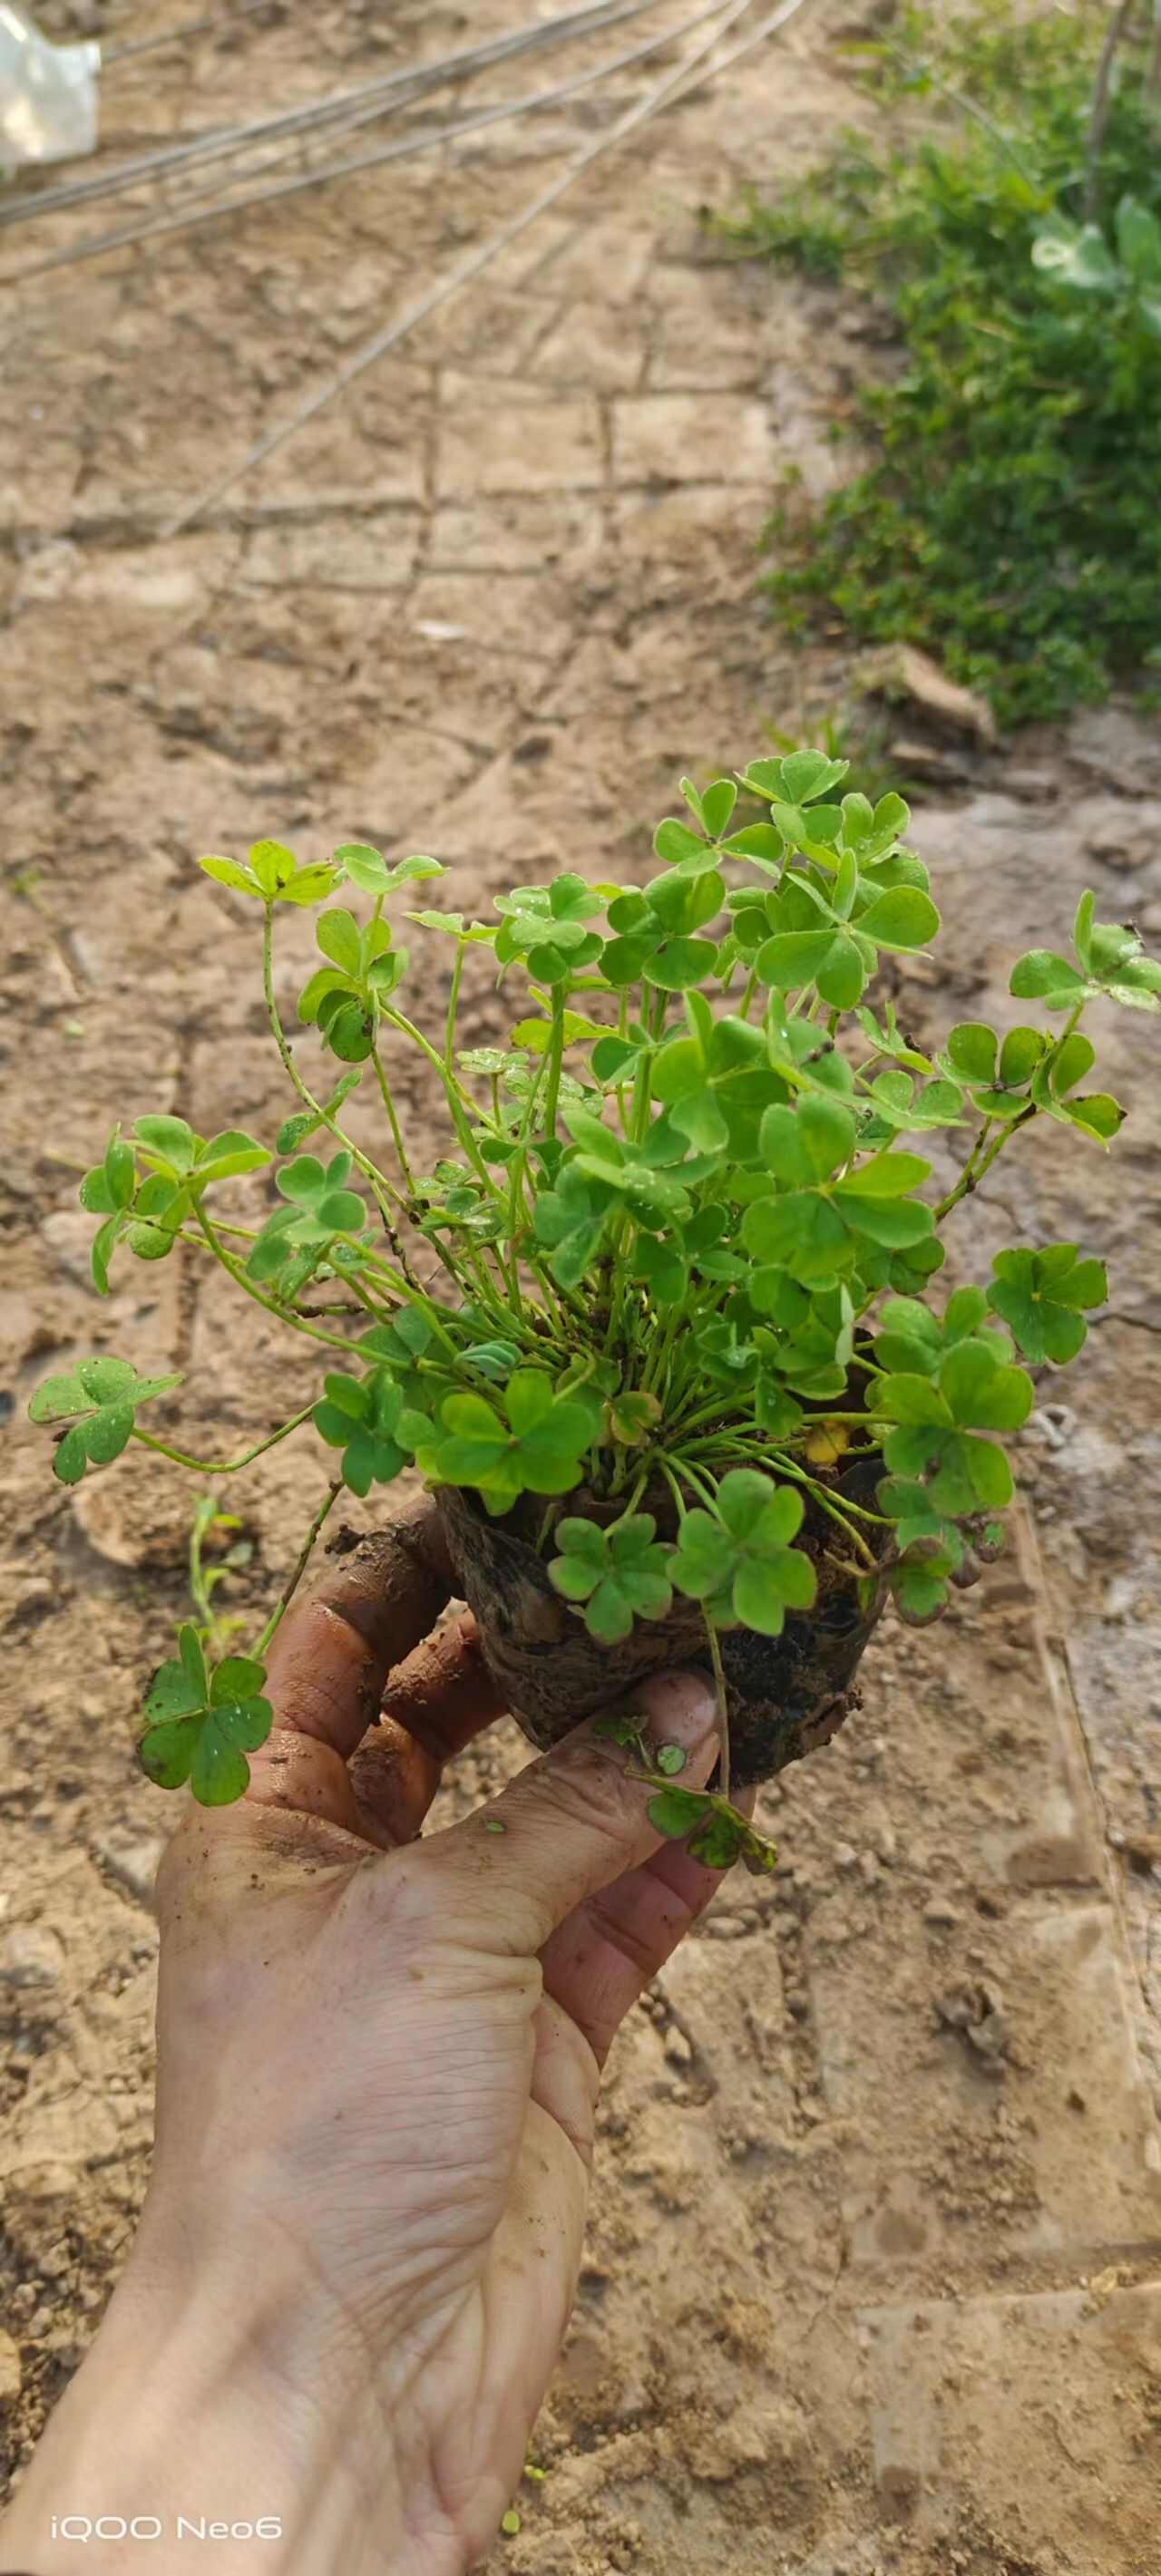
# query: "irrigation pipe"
{"type": "Point", "coordinates": [427, 138]}
{"type": "Point", "coordinates": [222, 24]}
{"type": "Point", "coordinates": [337, 109]}
{"type": "Point", "coordinates": [462, 274]}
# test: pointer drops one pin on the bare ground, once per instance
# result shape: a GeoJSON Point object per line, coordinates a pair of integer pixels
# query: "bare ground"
{"type": "Point", "coordinates": [872, 2276]}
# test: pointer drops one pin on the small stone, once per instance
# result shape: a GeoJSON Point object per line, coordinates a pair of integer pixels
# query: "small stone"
{"type": "Point", "coordinates": [868, 1869]}
{"type": "Point", "coordinates": [940, 1914]}
{"type": "Point", "coordinates": [845, 1856]}
{"type": "Point", "coordinates": [31, 1955]}
{"type": "Point", "coordinates": [1123, 843]}
{"type": "Point", "coordinates": [678, 2049]}
{"type": "Point", "coordinates": [11, 2373]}
{"type": "Point", "coordinates": [988, 2037]}
{"type": "Point", "coordinates": [901, 671]}
{"type": "Point", "coordinates": [132, 1860]}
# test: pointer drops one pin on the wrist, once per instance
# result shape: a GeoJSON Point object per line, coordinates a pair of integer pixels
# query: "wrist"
{"type": "Point", "coordinates": [223, 2402]}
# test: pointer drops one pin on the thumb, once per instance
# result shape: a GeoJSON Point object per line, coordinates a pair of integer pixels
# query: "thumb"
{"type": "Point", "coordinates": [572, 1822]}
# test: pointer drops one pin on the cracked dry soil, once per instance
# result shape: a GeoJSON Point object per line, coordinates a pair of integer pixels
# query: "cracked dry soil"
{"type": "Point", "coordinates": [872, 2278]}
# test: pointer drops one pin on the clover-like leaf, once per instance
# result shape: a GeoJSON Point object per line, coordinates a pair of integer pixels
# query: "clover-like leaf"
{"type": "Point", "coordinates": [373, 874]}
{"type": "Point", "coordinates": [273, 875]}
{"type": "Point", "coordinates": [742, 1551]}
{"type": "Point", "coordinates": [938, 1420]}
{"type": "Point", "coordinates": [201, 1724]}
{"type": "Point", "coordinates": [361, 1416]}
{"type": "Point", "coordinates": [535, 1445]}
{"type": "Point", "coordinates": [1042, 1296]}
{"type": "Point", "coordinates": [676, 1812]}
{"type": "Point", "coordinates": [619, 1574]}
{"type": "Point", "coordinates": [319, 1207]}
{"type": "Point", "coordinates": [100, 1397]}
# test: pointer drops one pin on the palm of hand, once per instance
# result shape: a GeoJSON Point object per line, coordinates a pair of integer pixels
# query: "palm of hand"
{"type": "Point", "coordinates": [393, 2047]}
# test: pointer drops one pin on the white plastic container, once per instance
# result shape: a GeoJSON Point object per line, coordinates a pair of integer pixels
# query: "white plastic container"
{"type": "Point", "coordinates": [48, 95]}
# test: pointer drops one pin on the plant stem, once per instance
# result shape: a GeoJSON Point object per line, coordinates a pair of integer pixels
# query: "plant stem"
{"type": "Point", "coordinates": [457, 1097]}
{"type": "Point", "coordinates": [1118, 29]}
{"type": "Point", "coordinates": [396, 1131]}
{"type": "Point", "coordinates": [222, 1466]}
{"type": "Point", "coordinates": [453, 1005]}
{"type": "Point", "coordinates": [723, 1711]}
{"type": "Point", "coordinates": [289, 1588]}
{"type": "Point", "coordinates": [555, 1059]}
{"type": "Point", "coordinates": [974, 1169]}
{"type": "Point", "coordinates": [284, 1314]}
{"type": "Point", "coordinates": [381, 1188]}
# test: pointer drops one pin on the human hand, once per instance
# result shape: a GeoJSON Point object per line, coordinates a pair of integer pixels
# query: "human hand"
{"type": "Point", "coordinates": [379, 2061]}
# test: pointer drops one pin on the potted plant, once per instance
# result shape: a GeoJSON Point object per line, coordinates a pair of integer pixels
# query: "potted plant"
{"type": "Point", "coordinates": [663, 1330]}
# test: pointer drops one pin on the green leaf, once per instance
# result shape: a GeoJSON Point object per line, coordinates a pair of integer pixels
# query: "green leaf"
{"type": "Point", "coordinates": [1042, 976]}
{"type": "Point", "coordinates": [758, 1599]}
{"type": "Point", "coordinates": [718, 1841]}
{"type": "Point", "coordinates": [170, 1138]}
{"type": "Point", "coordinates": [903, 918]}
{"type": "Point", "coordinates": [172, 1694]}
{"type": "Point", "coordinates": [166, 1752]}
{"type": "Point", "coordinates": [1075, 255]}
{"type": "Point", "coordinates": [679, 963]}
{"type": "Point", "coordinates": [674, 842]}
{"type": "Point", "coordinates": [906, 1397]}
{"type": "Point", "coordinates": [886, 1176]}
{"type": "Point", "coordinates": [101, 1397]}
{"type": "Point", "coordinates": [529, 1400]}
{"type": "Point", "coordinates": [228, 873]}
{"type": "Point", "coordinates": [1040, 1296]}
{"type": "Point", "coordinates": [237, 1677]}
{"type": "Point", "coordinates": [805, 774]}
{"type": "Point", "coordinates": [971, 1050]}
{"type": "Point", "coordinates": [675, 1812]}
{"type": "Point", "coordinates": [193, 1660]}
{"type": "Point", "coordinates": [340, 939]}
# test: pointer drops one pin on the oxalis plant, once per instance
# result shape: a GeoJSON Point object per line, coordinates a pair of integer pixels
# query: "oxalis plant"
{"type": "Point", "coordinates": [664, 1328]}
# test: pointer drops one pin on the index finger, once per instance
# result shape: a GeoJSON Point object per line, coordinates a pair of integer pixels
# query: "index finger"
{"type": "Point", "coordinates": [330, 1659]}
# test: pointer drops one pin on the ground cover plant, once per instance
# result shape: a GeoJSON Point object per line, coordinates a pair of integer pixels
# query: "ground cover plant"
{"type": "Point", "coordinates": [664, 1329]}
{"type": "Point", "coordinates": [1007, 518]}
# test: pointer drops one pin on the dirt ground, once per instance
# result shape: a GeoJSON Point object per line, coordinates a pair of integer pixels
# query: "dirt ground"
{"type": "Point", "coordinates": [872, 2278]}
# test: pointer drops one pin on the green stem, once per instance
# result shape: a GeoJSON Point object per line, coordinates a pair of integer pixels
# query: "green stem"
{"type": "Point", "coordinates": [457, 1097]}
{"type": "Point", "coordinates": [632, 1503]}
{"type": "Point", "coordinates": [284, 1314]}
{"type": "Point", "coordinates": [453, 1004]}
{"type": "Point", "coordinates": [555, 1059]}
{"type": "Point", "coordinates": [396, 1130]}
{"type": "Point", "coordinates": [382, 1189]}
{"type": "Point", "coordinates": [975, 1167]}
{"type": "Point", "coordinates": [674, 1487]}
{"type": "Point", "coordinates": [723, 1711]}
{"type": "Point", "coordinates": [303, 1559]}
{"type": "Point", "coordinates": [222, 1466]}
{"type": "Point", "coordinates": [516, 1208]}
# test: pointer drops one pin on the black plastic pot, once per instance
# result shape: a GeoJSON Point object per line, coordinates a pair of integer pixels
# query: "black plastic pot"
{"type": "Point", "coordinates": [785, 1694]}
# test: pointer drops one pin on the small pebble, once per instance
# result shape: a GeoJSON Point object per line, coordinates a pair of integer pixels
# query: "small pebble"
{"type": "Point", "coordinates": [11, 2374]}
{"type": "Point", "coordinates": [30, 1955]}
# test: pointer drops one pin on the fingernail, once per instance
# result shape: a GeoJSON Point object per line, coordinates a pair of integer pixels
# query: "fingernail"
{"type": "Point", "coordinates": [681, 1709]}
